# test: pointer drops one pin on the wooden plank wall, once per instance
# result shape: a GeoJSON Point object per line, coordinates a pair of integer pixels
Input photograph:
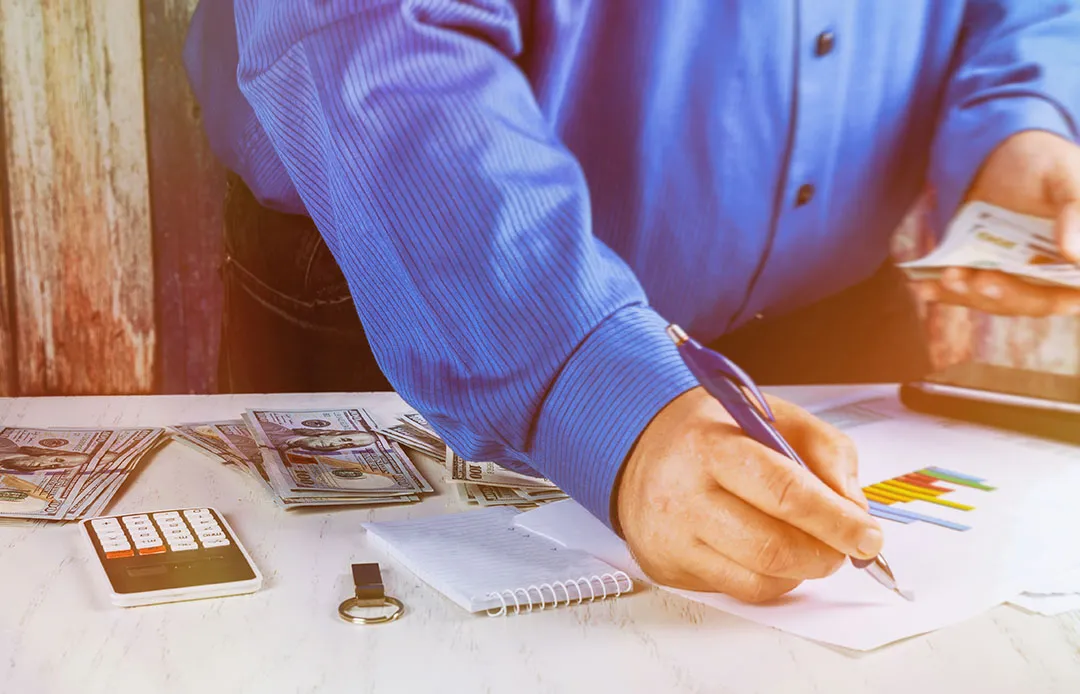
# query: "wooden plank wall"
{"type": "Point", "coordinates": [113, 211]}
{"type": "Point", "coordinates": [187, 188]}
{"type": "Point", "coordinates": [80, 238]}
{"type": "Point", "coordinates": [111, 214]}
{"type": "Point", "coordinates": [8, 380]}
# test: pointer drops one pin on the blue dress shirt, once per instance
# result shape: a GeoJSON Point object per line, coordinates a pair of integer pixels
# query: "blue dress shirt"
{"type": "Point", "coordinates": [523, 193]}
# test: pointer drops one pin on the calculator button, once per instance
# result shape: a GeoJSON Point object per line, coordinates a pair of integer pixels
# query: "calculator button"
{"type": "Point", "coordinates": [168, 515]}
{"type": "Point", "coordinates": [139, 519]}
{"type": "Point", "coordinates": [212, 535]}
{"type": "Point", "coordinates": [183, 546]}
{"type": "Point", "coordinates": [112, 536]}
{"type": "Point", "coordinates": [105, 524]}
{"type": "Point", "coordinates": [215, 542]}
{"type": "Point", "coordinates": [148, 542]}
{"type": "Point", "coordinates": [159, 549]}
{"type": "Point", "coordinates": [198, 513]}
{"type": "Point", "coordinates": [120, 554]}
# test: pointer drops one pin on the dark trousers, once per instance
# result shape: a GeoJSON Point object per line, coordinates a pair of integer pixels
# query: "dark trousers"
{"type": "Point", "coordinates": [290, 324]}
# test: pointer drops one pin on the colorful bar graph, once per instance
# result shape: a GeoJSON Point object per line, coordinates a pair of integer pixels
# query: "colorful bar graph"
{"type": "Point", "coordinates": [929, 485]}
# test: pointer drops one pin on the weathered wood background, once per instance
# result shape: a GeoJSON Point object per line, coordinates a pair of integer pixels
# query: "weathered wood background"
{"type": "Point", "coordinates": [111, 213]}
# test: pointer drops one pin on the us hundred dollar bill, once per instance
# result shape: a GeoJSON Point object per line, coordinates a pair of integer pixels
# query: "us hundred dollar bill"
{"type": "Point", "coordinates": [986, 237]}
{"type": "Point", "coordinates": [62, 474]}
{"type": "Point", "coordinates": [491, 474]}
{"type": "Point", "coordinates": [332, 454]}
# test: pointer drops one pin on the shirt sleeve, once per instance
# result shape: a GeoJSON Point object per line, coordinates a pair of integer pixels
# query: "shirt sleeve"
{"type": "Point", "coordinates": [463, 227]}
{"type": "Point", "coordinates": [1015, 69]}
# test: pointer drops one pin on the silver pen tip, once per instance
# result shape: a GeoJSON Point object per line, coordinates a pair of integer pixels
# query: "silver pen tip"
{"type": "Point", "coordinates": [883, 574]}
{"type": "Point", "coordinates": [677, 334]}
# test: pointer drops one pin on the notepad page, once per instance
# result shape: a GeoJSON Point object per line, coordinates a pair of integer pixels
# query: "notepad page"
{"type": "Point", "coordinates": [470, 556]}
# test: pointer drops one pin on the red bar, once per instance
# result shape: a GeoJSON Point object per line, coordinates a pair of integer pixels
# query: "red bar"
{"type": "Point", "coordinates": [152, 550]}
{"type": "Point", "coordinates": [923, 481]}
{"type": "Point", "coordinates": [119, 555]}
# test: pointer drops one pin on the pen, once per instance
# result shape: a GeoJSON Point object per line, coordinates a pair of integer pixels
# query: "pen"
{"type": "Point", "coordinates": [724, 380]}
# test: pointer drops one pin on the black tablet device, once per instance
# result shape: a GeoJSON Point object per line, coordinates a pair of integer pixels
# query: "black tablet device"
{"type": "Point", "coordinates": [1032, 402]}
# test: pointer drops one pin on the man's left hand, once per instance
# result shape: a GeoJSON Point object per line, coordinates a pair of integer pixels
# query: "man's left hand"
{"type": "Point", "coordinates": [1035, 173]}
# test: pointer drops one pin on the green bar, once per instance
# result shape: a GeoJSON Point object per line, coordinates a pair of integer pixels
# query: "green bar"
{"type": "Point", "coordinates": [955, 480]}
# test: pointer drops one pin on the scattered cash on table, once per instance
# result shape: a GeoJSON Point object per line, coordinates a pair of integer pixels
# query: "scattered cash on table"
{"type": "Point", "coordinates": [986, 237]}
{"type": "Point", "coordinates": [66, 474]}
{"type": "Point", "coordinates": [328, 457]}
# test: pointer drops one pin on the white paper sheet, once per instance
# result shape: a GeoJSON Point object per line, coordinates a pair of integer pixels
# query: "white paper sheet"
{"type": "Point", "coordinates": [1023, 530]}
{"type": "Point", "coordinates": [1049, 605]}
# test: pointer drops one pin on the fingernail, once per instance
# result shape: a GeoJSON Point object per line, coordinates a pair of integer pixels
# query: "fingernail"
{"type": "Point", "coordinates": [992, 291]}
{"type": "Point", "coordinates": [958, 286]}
{"type": "Point", "coordinates": [870, 543]}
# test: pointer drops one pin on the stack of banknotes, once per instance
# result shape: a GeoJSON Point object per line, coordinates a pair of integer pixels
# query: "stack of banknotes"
{"type": "Point", "coordinates": [67, 474]}
{"type": "Point", "coordinates": [481, 484]}
{"type": "Point", "coordinates": [489, 484]}
{"type": "Point", "coordinates": [984, 237]}
{"type": "Point", "coordinates": [329, 457]}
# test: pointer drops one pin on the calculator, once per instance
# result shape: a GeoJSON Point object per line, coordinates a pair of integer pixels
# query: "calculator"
{"type": "Point", "coordinates": [169, 556]}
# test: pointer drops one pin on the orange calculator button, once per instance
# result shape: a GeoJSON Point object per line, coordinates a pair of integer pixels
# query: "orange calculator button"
{"type": "Point", "coordinates": [160, 549]}
{"type": "Point", "coordinates": [119, 555]}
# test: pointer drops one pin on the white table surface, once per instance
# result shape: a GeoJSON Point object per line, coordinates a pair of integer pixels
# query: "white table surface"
{"type": "Point", "coordinates": [59, 633]}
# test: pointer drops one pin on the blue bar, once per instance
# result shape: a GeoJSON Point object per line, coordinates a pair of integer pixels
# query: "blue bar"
{"type": "Point", "coordinates": [911, 515]}
{"type": "Point", "coordinates": [889, 515]}
{"type": "Point", "coordinates": [958, 475]}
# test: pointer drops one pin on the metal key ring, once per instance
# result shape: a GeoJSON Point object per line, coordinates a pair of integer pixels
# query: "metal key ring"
{"type": "Point", "coordinates": [354, 602]}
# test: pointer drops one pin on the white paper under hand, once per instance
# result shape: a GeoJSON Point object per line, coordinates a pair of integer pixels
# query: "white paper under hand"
{"type": "Point", "coordinates": [847, 609]}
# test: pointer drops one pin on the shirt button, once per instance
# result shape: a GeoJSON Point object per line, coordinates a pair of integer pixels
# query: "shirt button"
{"type": "Point", "coordinates": [805, 194]}
{"type": "Point", "coordinates": [826, 41]}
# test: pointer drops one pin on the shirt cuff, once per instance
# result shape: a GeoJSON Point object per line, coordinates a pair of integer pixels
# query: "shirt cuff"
{"type": "Point", "coordinates": [969, 135]}
{"type": "Point", "coordinates": [617, 380]}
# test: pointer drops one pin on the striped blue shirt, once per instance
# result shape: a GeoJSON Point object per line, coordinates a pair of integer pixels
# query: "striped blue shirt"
{"type": "Point", "coordinates": [523, 193]}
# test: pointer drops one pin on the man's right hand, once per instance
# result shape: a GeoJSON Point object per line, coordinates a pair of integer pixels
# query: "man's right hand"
{"type": "Point", "coordinates": [704, 507]}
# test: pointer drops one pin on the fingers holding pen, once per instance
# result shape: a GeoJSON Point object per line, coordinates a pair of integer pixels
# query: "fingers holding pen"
{"type": "Point", "coordinates": [782, 489]}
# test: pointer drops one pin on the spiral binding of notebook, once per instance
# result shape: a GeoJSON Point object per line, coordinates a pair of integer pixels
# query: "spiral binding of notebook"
{"type": "Point", "coordinates": [483, 562]}
{"type": "Point", "coordinates": [598, 587]}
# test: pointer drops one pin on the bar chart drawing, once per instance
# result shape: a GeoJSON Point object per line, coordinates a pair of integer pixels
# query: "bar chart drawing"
{"type": "Point", "coordinates": [931, 485]}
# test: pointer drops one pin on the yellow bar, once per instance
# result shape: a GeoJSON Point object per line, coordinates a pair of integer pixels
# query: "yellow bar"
{"type": "Point", "coordinates": [874, 496]}
{"type": "Point", "coordinates": [929, 498]}
{"type": "Point", "coordinates": [916, 488]}
{"type": "Point", "coordinates": [887, 493]}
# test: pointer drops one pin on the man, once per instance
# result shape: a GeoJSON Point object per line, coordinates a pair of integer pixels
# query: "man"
{"type": "Point", "coordinates": [522, 194]}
